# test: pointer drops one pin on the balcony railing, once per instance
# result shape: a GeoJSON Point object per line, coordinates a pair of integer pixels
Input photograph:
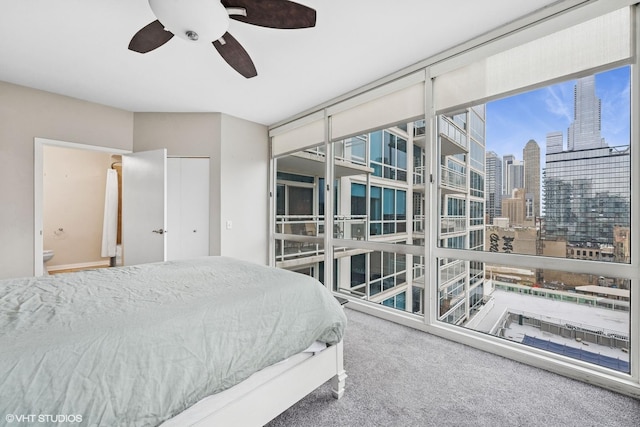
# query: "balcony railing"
{"type": "Point", "coordinates": [418, 272]}
{"type": "Point", "coordinates": [299, 225]}
{"type": "Point", "coordinates": [344, 226]}
{"type": "Point", "coordinates": [450, 224]}
{"type": "Point", "coordinates": [452, 132]}
{"type": "Point", "coordinates": [451, 271]}
{"type": "Point", "coordinates": [453, 179]}
{"type": "Point", "coordinates": [350, 227]}
{"type": "Point", "coordinates": [418, 175]}
{"type": "Point", "coordinates": [351, 150]}
{"type": "Point", "coordinates": [418, 223]}
{"type": "Point", "coordinates": [305, 230]}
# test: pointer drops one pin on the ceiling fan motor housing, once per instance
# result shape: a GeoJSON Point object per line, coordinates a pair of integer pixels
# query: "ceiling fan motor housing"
{"type": "Point", "coordinates": [194, 20]}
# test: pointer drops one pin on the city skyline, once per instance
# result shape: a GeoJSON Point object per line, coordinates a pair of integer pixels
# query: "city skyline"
{"type": "Point", "coordinates": [513, 121]}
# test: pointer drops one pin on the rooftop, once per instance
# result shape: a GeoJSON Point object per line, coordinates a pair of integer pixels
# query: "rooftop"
{"type": "Point", "coordinates": [560, 312]}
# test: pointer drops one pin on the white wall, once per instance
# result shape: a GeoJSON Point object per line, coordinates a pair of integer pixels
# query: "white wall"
{"type": "Point", "coordinates": [244, 189]}
{"type": "Point", "coordinates": [238, 151]}
{"type": "Point", "coordinates": [27, 113]}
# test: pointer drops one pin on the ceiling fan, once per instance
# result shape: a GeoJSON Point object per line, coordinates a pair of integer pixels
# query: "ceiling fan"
{"type": "Point", "coordinates": [207, 21]}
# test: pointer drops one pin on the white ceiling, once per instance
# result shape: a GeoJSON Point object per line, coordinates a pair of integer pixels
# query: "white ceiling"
{"type": "Point", "coordinates": [79, 48]}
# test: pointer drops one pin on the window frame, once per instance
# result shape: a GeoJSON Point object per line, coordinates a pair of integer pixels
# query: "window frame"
{"type": "Point", "coordinates": [555, 17]}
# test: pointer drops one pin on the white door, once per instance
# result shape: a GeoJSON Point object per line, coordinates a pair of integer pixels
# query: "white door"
{"type": "Point", "coordinates": [144, 209]}
{"type": "Point", "coordinates": [195, 213]}
{"type": "Point", "coordinates": [188, 207]}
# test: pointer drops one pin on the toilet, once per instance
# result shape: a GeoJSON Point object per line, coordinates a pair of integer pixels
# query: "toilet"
{"type": "Point", "coordinates": [47, 254]}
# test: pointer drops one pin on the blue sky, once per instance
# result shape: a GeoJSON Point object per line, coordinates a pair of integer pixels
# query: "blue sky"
{"type": "Point", "coordinates": [513, 121]}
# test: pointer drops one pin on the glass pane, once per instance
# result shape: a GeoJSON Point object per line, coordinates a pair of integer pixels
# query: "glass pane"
{"type": "Point", "coordinates": [401, 204]}
{"type": "Point", "coordinates": [389, 148]}
{"type": "Point", "coordinates": [374, 207]}
{"type": "Point", "coordinates": [565, 191]}
{"type": "Point", "coordinates": [376, 204]}
{"type": "Point", "coordinates": [300, 211]}
{"type": "Point", "coordinates": [280, 199]}
{"type": "Point", "coordinates": [583, 316]}
{"type": "Point", "coordinates": [300, 201]}
{"type": "Point", "coordinates": [376, 146]}
{"type": "Point", "coordinates": [567, 195]}
{"type": "Point", "coordinates": [402, 153]}
{"type": "Point", "coordinates": [389, 204]}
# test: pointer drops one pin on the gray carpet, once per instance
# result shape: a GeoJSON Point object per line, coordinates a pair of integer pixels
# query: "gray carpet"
{"type": "Point", "coordinates": [398, 376]}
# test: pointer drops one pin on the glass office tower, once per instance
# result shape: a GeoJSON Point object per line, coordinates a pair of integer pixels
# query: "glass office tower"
{"type": "Point", "coordinates": [587, 193]}
{"type": "Point", "coordinates": [587, 189]}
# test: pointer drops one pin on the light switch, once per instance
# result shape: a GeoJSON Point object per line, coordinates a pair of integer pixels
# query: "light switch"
{"type": "Point", "coordinates": [229, 224]}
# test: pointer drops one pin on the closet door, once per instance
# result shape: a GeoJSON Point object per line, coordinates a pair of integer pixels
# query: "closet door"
{"type": "Point", "coordinates": [187, 207]}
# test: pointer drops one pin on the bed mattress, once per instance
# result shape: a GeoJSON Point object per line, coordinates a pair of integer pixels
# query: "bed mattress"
{"type": "Point", "coordinates": [138, 345]}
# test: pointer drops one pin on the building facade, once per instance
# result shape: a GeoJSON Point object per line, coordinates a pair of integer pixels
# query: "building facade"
{"type": "Point", "coordinates": [587, 193]}
{"type": "Point", "coordinates": [493, 186]}
{"type": "Point", "coordinates": [462, 220]}
{"type": "Point", "coordinates": [587, 187]}
{"type": "Point", "coordinates": [584, 131]}
{"type": "Point", "coordinates": [531, 158]}
{"type": "Point", "coordinates": [380, 197]}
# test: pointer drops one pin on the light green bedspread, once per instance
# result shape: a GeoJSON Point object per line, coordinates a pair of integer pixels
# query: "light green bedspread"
{"type": "Point", "coordinates": [137, 345]}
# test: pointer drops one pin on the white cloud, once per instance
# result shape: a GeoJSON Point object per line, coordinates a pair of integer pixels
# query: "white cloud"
{"type": "Point", "coordinates": [558, 103]}
{"type": "Point", "coordinates": [616, 115]}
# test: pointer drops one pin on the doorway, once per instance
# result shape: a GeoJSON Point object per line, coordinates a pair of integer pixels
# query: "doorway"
{"type": "Point", "coordinates": [58, 231]}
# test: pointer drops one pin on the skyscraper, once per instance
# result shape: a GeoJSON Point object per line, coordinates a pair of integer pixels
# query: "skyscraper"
{"type": "Point", "coordinates": [514, 176]}
{"type": "Point", "coordinates": [531, 157]}
{"type": "Point", "coordinates": [584, 132]}
{"type": "Point", "coordinates": [554, 142]}
{"type": "Point", "coordinates": [493, 186]}
{"type": "Point", "coordinates": [587, 187]}
{"type": "Point", "coordinates": [507, 160]}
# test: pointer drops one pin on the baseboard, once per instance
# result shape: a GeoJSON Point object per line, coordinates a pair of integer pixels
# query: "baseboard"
{"type": "Point", "coordinates": [101, 263]}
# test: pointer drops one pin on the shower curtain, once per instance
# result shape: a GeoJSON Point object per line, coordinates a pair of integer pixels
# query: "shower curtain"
{"type": "Point", "coordinates": [110, 223]}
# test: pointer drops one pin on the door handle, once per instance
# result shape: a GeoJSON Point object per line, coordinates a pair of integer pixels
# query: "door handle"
{"type": "Point", "coordinates": [159, 231]}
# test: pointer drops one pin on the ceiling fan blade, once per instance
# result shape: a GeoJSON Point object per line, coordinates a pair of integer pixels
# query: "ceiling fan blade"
{"type": "Point", "coordinates": [273, 13]}
{"type": "Point", "coordinates": [235, 55]}
{"type": "Point", "coordinates": [150, 37]}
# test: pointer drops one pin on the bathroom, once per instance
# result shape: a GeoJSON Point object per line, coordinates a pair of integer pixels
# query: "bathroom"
{"type": "Point", "coordinates": [73, 206]}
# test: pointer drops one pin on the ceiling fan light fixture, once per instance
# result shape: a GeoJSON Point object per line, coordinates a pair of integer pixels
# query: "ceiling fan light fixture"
{"type": "Point", "coordinates": [207, 20]}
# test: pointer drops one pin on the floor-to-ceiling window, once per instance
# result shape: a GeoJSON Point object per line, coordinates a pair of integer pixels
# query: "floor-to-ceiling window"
{"type": "Point", "coordinates": [370, 204]}
{"type": "Point", "coordinates": [579, 175]}
{"type": "Point", "coordinates": [299, 211]}
{"type": "Point", "coordinates": [498, 205]}
{"type": "Point", "coordinates": [552, 271]}
{"type": "Point", "coordinates": [375, 209]}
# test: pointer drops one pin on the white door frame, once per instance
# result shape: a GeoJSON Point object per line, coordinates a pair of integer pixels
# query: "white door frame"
{"type": "Point", "coordinates": [38, 144]}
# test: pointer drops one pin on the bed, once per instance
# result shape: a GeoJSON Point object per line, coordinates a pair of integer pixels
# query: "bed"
{"type": "Point", "coordinates": [209, 341]}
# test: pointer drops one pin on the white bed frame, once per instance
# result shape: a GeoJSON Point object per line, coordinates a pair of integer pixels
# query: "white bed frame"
{"type": "Point", "coordinates": [269, 392]}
